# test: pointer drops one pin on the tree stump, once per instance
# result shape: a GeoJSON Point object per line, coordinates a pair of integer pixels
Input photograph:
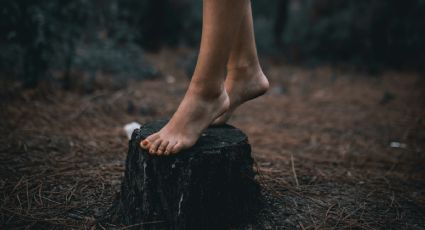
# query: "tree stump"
{"type": "Point", "coordinates": [209, 186]}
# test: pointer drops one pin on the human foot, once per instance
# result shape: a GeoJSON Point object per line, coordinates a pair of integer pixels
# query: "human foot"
{"type": "Point", "coordinates": [195, 113]}
{"type": "Point", "coordinates": [242, 84]}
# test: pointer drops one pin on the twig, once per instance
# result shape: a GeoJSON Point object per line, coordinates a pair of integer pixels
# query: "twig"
{"type": "Point", "coordinates": [301, 225]}
{"type": "Point", "coordinates": [293, 170]}
{"type": "Point", "coordinates": [51, 200]}
{"type": "Point", "coordinates": [143, 223]}
{"type": "Point", "coordinates": [28, 198]}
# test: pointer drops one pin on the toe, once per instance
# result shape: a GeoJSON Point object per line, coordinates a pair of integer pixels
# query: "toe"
{"type": "Point", "coordinates": [152, 138]}
{"type": "Point", "coordinates": [177, 148]}
{"type": "Point", "coordinates": [162, 147]}
{"type": "Point", "coordinates": [146, 143]}
{"type": "Point", "coordinates": [169, 148]}
{"type": "Point", "coordinates": [154, 146]}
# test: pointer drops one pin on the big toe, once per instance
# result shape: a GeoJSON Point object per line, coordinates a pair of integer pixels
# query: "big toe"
{"type": "Point", "coordinates": [146, 143]}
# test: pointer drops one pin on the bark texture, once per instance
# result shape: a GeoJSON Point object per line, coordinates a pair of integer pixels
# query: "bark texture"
{"type": "Point", "coordinates": [209, 186]}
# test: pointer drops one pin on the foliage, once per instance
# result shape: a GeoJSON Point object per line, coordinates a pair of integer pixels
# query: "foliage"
{"type": "Point", "coordinates": [362, 32]}
{"type": "Point", "coordinates": [39, 36]}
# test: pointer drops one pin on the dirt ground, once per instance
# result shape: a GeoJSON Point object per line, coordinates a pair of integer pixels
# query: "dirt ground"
{"type": "Point", "coordinates": [334, 148]}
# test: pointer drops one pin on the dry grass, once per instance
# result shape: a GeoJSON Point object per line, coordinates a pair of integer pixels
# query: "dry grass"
{"type": "Point", "coordinates": [321, 139]}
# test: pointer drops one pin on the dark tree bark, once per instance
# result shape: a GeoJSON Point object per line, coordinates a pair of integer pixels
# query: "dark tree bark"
{"type": "Point", "coordinates": [280, 21]}
{"type": "Point", "coordinates": [209, 186]}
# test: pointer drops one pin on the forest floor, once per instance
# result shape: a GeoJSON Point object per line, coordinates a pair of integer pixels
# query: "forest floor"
{"type": "Point", "coordinates": [334, 148]}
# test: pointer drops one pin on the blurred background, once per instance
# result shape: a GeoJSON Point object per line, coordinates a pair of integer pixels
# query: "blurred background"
{"type": "Point", "coordinates": [56, 40]}
{"type": "Point", "coordinates": [338, 140]}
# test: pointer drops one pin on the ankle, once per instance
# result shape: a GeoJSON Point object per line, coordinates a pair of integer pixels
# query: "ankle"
{"type": "Point", "coordinates": [244, 71]}
{"type": "Point", "coordinates": [241, 65]}
{"type": "Point", "coordinates": [251, 78]}
{"type": "Point", "coordinates": [205, 90]}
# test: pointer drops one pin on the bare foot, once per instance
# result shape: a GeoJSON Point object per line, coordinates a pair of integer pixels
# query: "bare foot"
{"type": "Point", "coordinates": [243, 84]}
{"type": "Point", "coordinates": [195, 113]}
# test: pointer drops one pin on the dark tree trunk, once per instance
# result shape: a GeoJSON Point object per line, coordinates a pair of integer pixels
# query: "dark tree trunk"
{"type": "Point", "coordinates": [280, 21]}
{"type": "Point", "coordinates": [209, 186]}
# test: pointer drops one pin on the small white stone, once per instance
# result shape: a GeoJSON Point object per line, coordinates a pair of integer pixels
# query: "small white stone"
{"type": "Point", "coordinates": [396, 144]}
{"type": "Point", "coordinates": [130, 127]}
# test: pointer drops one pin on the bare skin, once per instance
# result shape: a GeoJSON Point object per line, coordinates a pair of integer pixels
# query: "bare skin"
{"type": "Point", "coordinates": [213, 96]}
{"type": "Point", "coordinates": [242, 85]}
{"type": "Point", "coordinates": [245, 79]}
{"type": "Point", "coordinates": [206, 98]}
